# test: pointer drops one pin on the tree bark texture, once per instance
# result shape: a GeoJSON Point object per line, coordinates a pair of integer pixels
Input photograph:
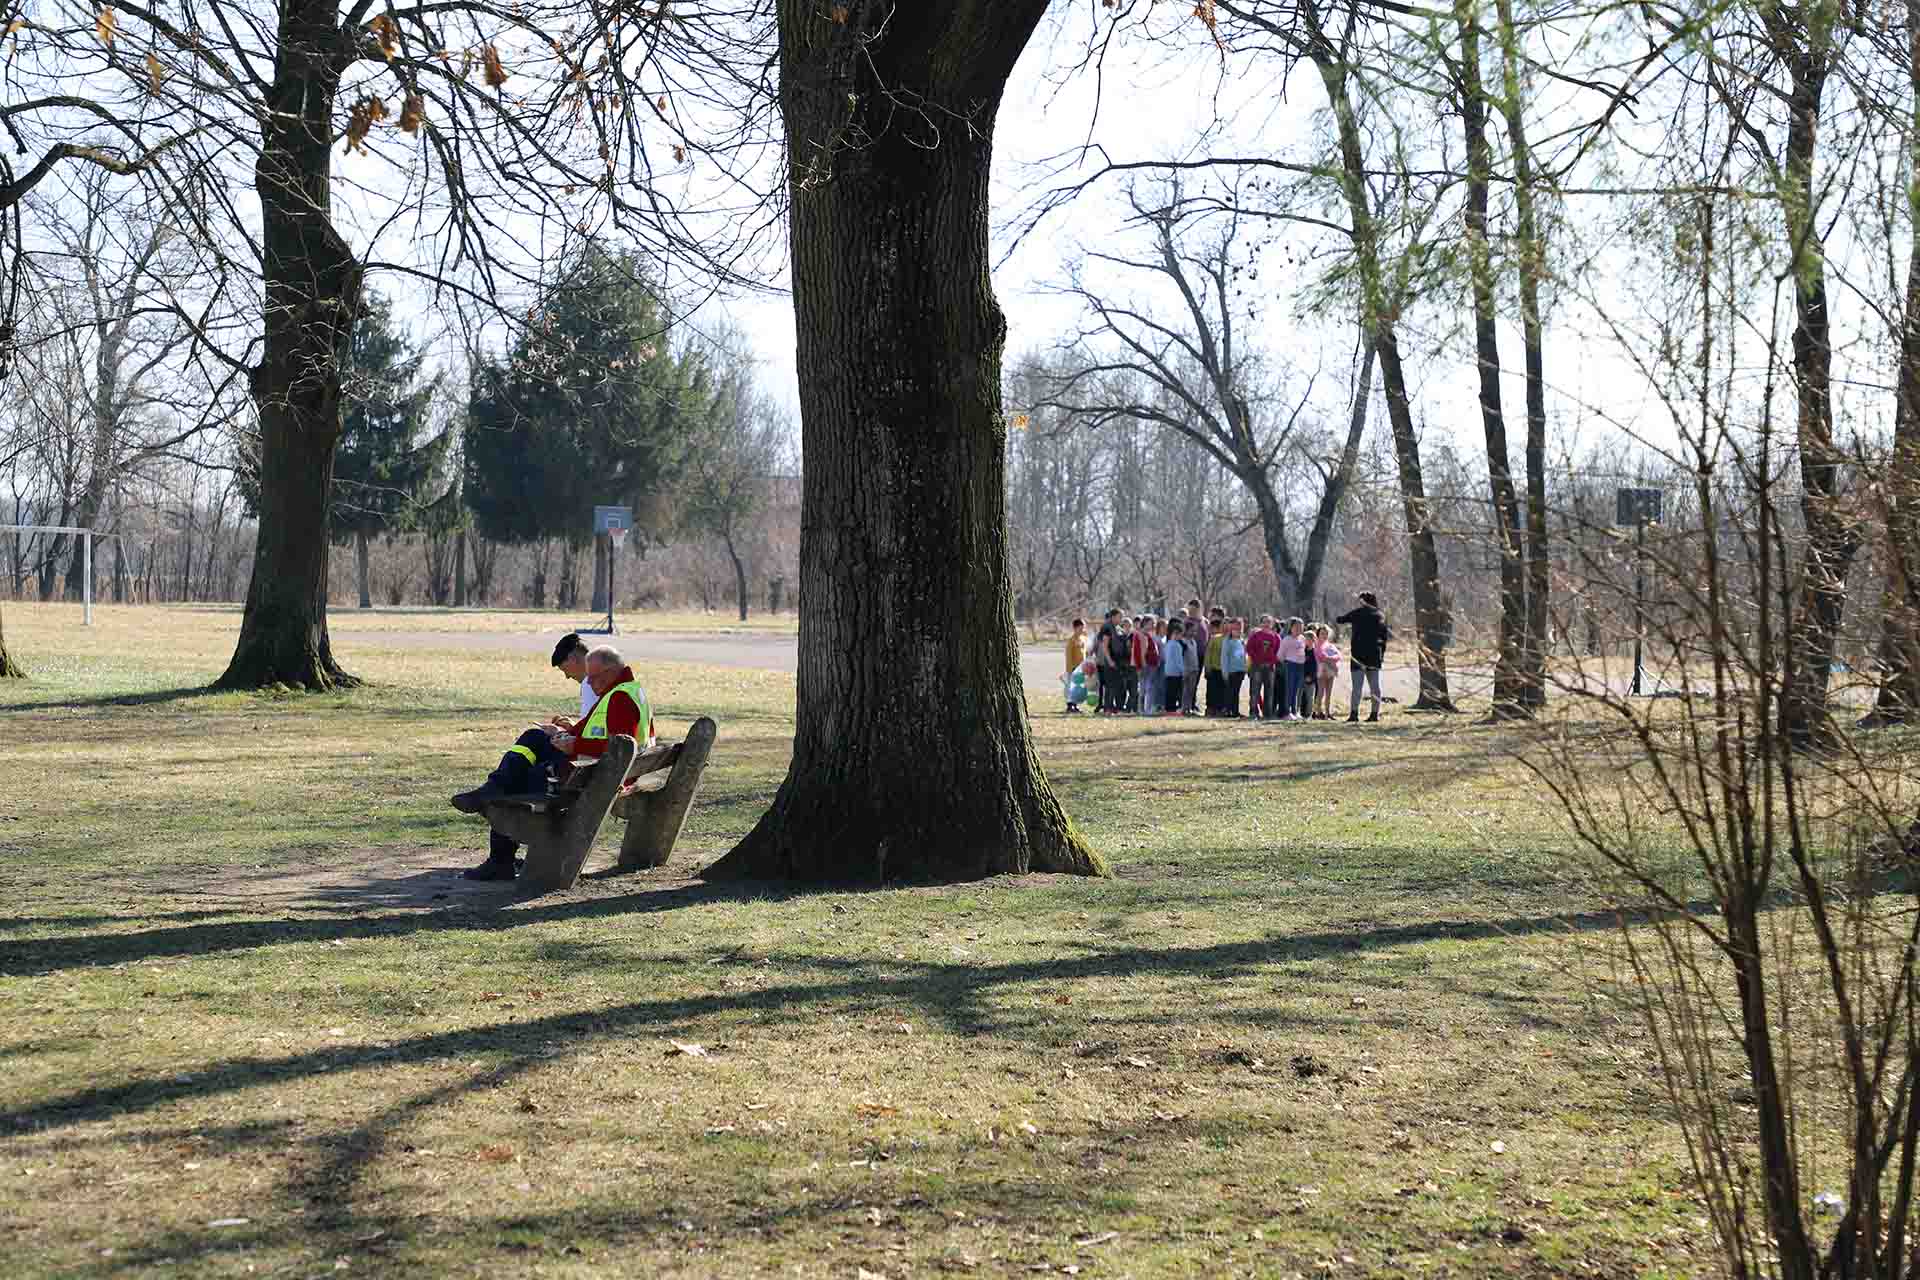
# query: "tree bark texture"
{"type": "Point", "coordinates": [360, 568]}
{"type": "Point", "coordinates": [1320, 536]}
{"type": "Point", "coordinates": [1900, 624]}
{"type": "Point", "coordinates": [739, 576]}
{"type": "Point", "coordinates": [912, 757]}
{"type": "Point", "coordinates": [1831, 539]}
{"type": "Point", "coordinates": [1507, 670]}
{"type": "Point", "coordinates": [312, 298]}
{"type": "Point", "coordinates": [1533, 265]}
{"type": "Point", "coordinates": [9, 669]}
{"type": "Point", "coordinates": [1379, 311]}
{"type": "Point", "coordinates": [460, 569]}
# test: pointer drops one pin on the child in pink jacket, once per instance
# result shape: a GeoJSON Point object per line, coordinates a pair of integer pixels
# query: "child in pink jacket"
{"type": "Point", "coordinates": [1327, 654]}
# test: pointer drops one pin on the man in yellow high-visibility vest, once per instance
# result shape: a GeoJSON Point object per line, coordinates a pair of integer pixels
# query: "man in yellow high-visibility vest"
{"type": "Point", "coordinates": [540, 758]}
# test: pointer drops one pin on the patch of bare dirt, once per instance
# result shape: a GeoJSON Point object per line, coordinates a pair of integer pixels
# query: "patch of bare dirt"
{"type": "Point", "coordinates": [410, 879]}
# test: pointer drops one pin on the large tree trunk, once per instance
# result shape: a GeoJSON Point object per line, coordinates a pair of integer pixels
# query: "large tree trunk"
{"type": "Point", "coordinates": [1273, 529]}
{"type": "Point", "coordinates": [1379, 305]}
{"type": "Point", "coordinates": [312, 297]}
{"type": "Point", "coordinates": [1430, 618]}
{"type": "Point", "coordinates": [360, 568]}
{"type": "Point", "coordinates": [1831, 542]}
{"type": "Point", "coordinates": [1507, 671]}
{"type": "Point", "coordinates": [912, 756]}
{"type": "Point", "coordinates": [1533, 254]}
{"type": "Point", "coordinates": [1335, 492]}
{"type": "Point", "coordinates": [460, 569]}
{"type": "Point", "coordinates": [8, 667]}
{"type": "Point", "coordinates": [1900, 624]}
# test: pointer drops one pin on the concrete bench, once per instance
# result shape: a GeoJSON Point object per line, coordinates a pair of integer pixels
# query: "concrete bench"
{"type": "Point", "coordinates": [657, 797]}
{"type": "Point", "coordinates": [651, 788]}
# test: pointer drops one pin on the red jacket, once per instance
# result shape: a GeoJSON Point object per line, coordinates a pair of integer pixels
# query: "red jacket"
{"type": "Point", "coordinates": [1263, 648]}
{"type": "Point", "coordinates": [623, 716]}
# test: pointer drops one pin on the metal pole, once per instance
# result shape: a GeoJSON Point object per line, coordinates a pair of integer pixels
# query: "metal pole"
{"type": "Point", "coordinates": [1639, 594]}
{"type": "Point", "coordinates": [613, 549]}
{"type": "Point", "coordinates": [86, 579]}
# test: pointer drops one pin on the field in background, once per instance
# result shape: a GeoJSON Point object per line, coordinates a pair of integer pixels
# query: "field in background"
{"type": "Point", "coordinates": [1343, 1010]}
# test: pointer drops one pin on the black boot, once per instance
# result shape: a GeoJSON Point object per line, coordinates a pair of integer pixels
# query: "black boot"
{"type": "Point", "coordinates": [1375, 717]}
{"type": "Point", "coordinates": [494, 868]}
{"type": "Point", "coordinates": [500, 863]}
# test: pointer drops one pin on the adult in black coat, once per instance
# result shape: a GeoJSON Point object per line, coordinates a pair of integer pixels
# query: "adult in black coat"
{"type": "Point", "coordinates": [1366, 652]}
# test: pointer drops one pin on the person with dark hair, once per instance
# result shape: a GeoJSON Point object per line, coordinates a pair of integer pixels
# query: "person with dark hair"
{"type": "Point", "coordinates": [1126, 675]}
{"type": "Point", "coordinates": [570, 660]}
{"type": "Point", "coordinates": [1366, 652]}
{"type": "Point", "coordinates": [1103, 662]}
{"type": "Point", "coordinates": [541, 759]}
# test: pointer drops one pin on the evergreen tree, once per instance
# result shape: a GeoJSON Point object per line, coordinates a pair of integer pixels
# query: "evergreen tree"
{"type": "Point", "coordinates": [386, 460]}
{"type": "Point", "coordinates": [593, 405]}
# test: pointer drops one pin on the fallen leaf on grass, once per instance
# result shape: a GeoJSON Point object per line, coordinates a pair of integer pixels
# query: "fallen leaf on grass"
{"type": "Point", "coordinates": [675, 1049]}
{"type": "Point", "coordinates": [1142, 1063]}
{"type": "Point", "coordinates": [494, 1155]}
{"type": "Point", "coordinates": [1102, 1238]}
{"type": "Point", "coordinates": [527, 1105]}
{"type": "Point", "coordinates": [874, 1110]}
{"type": "Point", "coordinates": [1499, 1148]}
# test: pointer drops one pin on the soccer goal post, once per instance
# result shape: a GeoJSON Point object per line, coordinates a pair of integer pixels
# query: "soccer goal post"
{"type": "Point", "coordinates": [87, 536]}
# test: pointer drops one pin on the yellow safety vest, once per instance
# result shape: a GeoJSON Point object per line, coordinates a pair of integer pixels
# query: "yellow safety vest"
{"type": "Point", "coordinates": [596, 724]}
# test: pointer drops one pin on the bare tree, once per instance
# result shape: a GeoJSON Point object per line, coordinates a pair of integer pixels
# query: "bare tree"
{"type": "Point", "coordinates": [1196, 377]}
{"type": "Point", "coordinates": [731, 470]}
{"type": "Point", "coordinates": [470, 128]}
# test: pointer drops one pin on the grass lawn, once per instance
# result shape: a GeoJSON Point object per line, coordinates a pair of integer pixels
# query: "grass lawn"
{"type": "Point", "coordinates": [1342, 1011]}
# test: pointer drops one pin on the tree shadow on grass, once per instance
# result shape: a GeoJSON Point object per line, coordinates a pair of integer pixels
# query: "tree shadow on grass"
{"type": "Point", "coordinates": [99, 701]}
{"type": "Point", "coordinates": [321, 1210]}
{"type": "Point", "coordinates": [957, 996]}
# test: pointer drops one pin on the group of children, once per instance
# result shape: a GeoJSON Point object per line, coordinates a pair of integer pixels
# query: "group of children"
{"type": "Point", "coordinates": [1146, 665]}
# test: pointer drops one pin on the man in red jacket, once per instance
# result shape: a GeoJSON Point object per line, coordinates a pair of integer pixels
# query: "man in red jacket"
{"type": "Point", "coordinates": [541, 757]}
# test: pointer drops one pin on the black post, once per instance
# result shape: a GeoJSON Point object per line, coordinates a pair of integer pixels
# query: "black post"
{"type": "Point", "coordinates": [613, 550]}
{"type": "Point", "coordinates": [1639, 594]}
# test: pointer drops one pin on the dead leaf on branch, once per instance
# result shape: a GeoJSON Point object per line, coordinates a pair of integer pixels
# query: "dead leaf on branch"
{"type": "Point", "coordinates": [841, 14]}
{"type": "Point", "coordinates": [413, 113]}
{"type": "Point", "coordinates": [495, 69]}
{"type": "Point", "coordinates": [156, 74]}
{"type": "Point", "coordinates": [106, 26]}
{"type": "Point", "coordinates": [366, 113]}
{"type": "Point", "coordinates": [386, 33]}
{"type": "Point", "coordinates": [679, 154]}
